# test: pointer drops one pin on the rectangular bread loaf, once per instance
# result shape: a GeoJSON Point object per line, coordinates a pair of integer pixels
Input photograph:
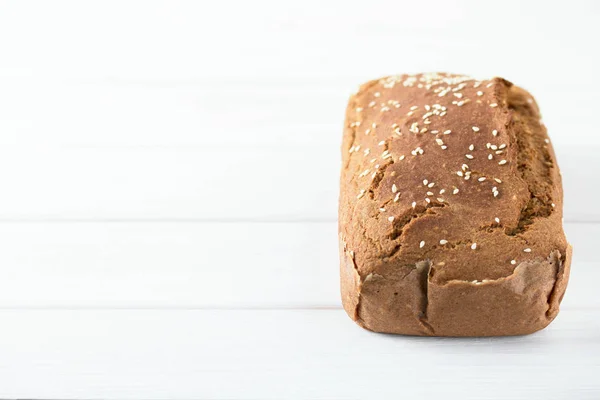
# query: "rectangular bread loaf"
{"type": "Point", "coordinates": [450, 213]}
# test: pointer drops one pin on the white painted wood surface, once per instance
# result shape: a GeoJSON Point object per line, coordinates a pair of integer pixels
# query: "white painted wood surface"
{"type": "Point", "coordinates": [168, 189]}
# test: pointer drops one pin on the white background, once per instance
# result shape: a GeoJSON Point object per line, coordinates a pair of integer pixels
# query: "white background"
{"type": "Point", "coordinates": [168, 188]}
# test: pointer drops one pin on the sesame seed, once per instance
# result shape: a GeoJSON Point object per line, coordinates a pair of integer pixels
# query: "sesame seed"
{"type": "Point", "coordinates": [464, 167]}
{"type": "Point", "coordinates": [414, 108]}
{"type": "Point", "coordinates": [495, 132]}
{"type": "Point", "coordinates": [502, 162]}
{"type": "Point", "coordinates": [397, 197]}
{"type": "Point", "coordinates": [372, 104]}
{"type": "Point", "coordinates": [502, 146]}
{"type": "Point", "coordinates": [442, 191]}
{"type": "Point", "coordinates": [381, 143]}
{"type": "Point", "coordinates": [444, 147]}
{"type": "Point", "coordinates": [499, 151]}
{"type": "Point", "coordinates": [382, 209]}
{"type": "Point", "coordinates": [422, 244]}
{"type": "Point", "coordinates": [359, 109]}
{"type": "Point", "coordinates": [473, 246]}
{"type": "Point", "coordinates": [390, 219]}
{"type": "Point", "coordinates": [469, 156]}
{"type": "Point", "coordinates": [442, 113]}
{"type": "Point", "coordinates": [401, 158]}
{"type": "Point", "coordinates": [434, 132]}
{"type": "Point", "coordinates": [361, 194]}
{"type": "Point", "coordinates": [455, 191]}
{"type": "Point", "coordinates": [429, 193]}
{"type": "Point", "coordinates": [459, 173]}
{"type": "Point", "coordinates": [497, 220]}
{"type": "Point", "coordinates": [425, 182]}
{"type": "Point", "coordinates": [475, 129]}
{"type": "Point", "coordinates": [427, 200]}
{"type": "Point", "coordinates": [527, 250]}
{"type": "Point", "coordinates": [490, 84]}
{"type": "Point", "coordinates": [494, 105]}
{"type": "Point", "coordinates": [443, 241]}
{"type": "Point", "coordinates": [440, 199]}
{"type": "Point", "coordinates": [447, 132]}
{"type": "Point", "coordinates": [394, 188]}
{"type": "Point", "coordinates": [471, 147]}
{"type": "Point", "coordinates": [427, 107]}
{"type": "Point", "coordinates": [513, 262]}
{"type": "Point", "coordinates": [547, 141]}
{"type": "Point", "coordinates": [497, 180]}
{"type": "Point", "coordinates": [490, 157]}
{"type": "Point", "coordinates": [414, 204]}
{"type": "Point", "coordinates": [493, 147]}
{"type": "Point", "coordinates": [553, 205]}
{"type": "Point", "coordinates": [481, 179]}
{"type": "Point", "coordinates": [439, 141]}
{"type": "Point", "coordinates": [480, 93]}
{"type": "Point", "coordinates": [432, 184]}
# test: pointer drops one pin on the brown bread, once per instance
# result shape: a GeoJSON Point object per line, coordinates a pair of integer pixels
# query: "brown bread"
{"type": "Point", "coordinates": [450, 214]}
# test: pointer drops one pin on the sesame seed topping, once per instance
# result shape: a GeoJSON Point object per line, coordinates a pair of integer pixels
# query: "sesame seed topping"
{"type": "Point", "coordinates": [502, 146]}
{"type": "Point", "coordinates": [442, 191]}
{"type": "Point", "coordinates": [527, 250]}
{"type": "Point", "coordinates": [473, 246]}
{"type": "Point", "coordinates": [513, 262]}
{"type": "Point", "coordinates": [481, 179]}
{"type": "Point", "coordinates": [447, 132]}
{"type": "Point", "coordinates": [372, 104]}
{"type": "Point", "coordinates": [422, 244]}
{"type": "Point", "coordinates": [381, 143]}
{"type": "Point", "coordinates": [382, 209]}
{"type": "Point", "coordinates": [441, 200]}
{"type": "Point", "coordinates": [494, 105]}
{"type": "Point", "coordinates": [469, 156]}
{"type": "Point", "coordinates": [414, 108]}
{"type": "Point", "coordinates": [443, 241]}
{"type": "Point", "coordinates": [376, 94]}
{"type": "Point", "coordinates": [497, 220]}
{"type": "Point", "coordinates": [459, 173]}
{"type": "Point", "coordinates": [471, 147]}
{"type": "Point", "coordinates": [361, 194]}
{"type": "Point", "coordinates": [427, 200]}
{"type": "Point", "coordinates": [490, 157]}
{"type": "Point", "coordinates": [502, 162]}
{"type": "Point", "coordinates": [359, 109]}
{"type": "Point", "coordinates": [475, 129]}
{"type": "Point", "coordinates": [429, 193]}
{"type": "Point", "coordinates": [391, 219]}
{"type": "Point", "coordinates": [414, 204]}
{"type": "Point", "coordinates": [397, 197]}
{"type": "Point", "coordinates": [394, 188]}
{"type": "Point", "coordinates": [495, 132]}
{"type": "Point", "coordinates": [497, 180]}
{"type": "Point", "coordinates": [444, 147]}
{"type": "Point", "coordinates": [432, 184]}
{"type": "Point", "coordinates": [455, 191]}
{"type": "Point", "coordinates": [547, 141]}
{"type": "Point", "coordinates": [425, 182]}
{"type": "Point", "coordinates": [401, 158]}
{"type": "Point", "coordinates": [439, 141]}
{"type": "Point", "coordinates": [479, 93]}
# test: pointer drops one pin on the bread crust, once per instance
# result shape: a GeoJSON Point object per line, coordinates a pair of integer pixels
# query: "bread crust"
{"type": "Point", "coordinates": [450, 213]}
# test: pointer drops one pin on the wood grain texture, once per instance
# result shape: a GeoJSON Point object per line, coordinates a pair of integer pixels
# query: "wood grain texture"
{"type": "Point", "coordinates": [292, 354]}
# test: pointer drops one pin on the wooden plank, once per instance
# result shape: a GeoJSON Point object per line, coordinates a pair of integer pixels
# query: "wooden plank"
{"type": "Point", "coordinates": [204, 183]}
{"type": "Point", "coordinates": [203, 265]}
{"type": "Point", "coordinates": [291, 354]}
{"type": "Point", "coordinates": [228, 112]}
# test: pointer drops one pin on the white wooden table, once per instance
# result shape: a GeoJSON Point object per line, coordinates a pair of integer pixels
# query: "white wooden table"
{"type": "Point", "coordinates": [163, 236]}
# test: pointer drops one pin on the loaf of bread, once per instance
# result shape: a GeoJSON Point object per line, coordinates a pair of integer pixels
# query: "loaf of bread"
{"type": "Point", "coordinates": [450, 214]}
